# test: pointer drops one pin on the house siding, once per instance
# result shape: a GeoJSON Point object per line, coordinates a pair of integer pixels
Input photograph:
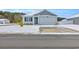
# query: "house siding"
{"type": "Point", "coordinates": [75, 20]}
{"type": "Point", "coordinates": [47, 20]}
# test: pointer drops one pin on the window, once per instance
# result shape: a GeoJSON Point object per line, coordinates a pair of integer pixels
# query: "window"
{"type": "Point", "coordinates": [28, 19]}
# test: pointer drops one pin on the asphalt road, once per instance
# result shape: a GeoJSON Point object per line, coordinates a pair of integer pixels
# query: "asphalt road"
{"type": "Point", "coordinates": [38, 41]}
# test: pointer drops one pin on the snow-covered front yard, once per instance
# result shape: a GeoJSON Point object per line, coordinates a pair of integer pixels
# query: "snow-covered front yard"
{"type": "Point", "coordinates": [30, 29]}
{"type": "Point", "coordinates": [18, 29]}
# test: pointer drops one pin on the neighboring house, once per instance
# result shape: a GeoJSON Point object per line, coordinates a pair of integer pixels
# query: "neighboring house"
{"type": "Point", "coordinates": [74, 18]}
{"type": "Point", "coordinates": [4, 21]}
{"type": "Point", "coordinates": [65, 22]}
{"type": "Point", "coordinates": [43, 17]}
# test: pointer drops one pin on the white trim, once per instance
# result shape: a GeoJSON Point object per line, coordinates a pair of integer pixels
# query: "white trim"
{"type": "Point", "coordinates": [33, 19]}
{"type": "Point", "coordinates": [23, 17]}
{"type": "Point", "coordinates": [45, 15]}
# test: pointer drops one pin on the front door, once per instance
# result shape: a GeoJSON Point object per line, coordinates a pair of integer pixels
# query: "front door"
{"type": "Point", "coordinates": [35, 20]}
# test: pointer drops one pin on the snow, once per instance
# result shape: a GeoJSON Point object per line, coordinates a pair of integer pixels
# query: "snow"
{"type": "Point", "coordinates": [31, 29]}
{"type": "Point", "coordinates": [60, 33]}
{"type": "Point", "coordinates": [18, 29]}
{"type": "Point", "coordinates": [75, 27]}
{"type": "Point", "coordinates": [71, 26]}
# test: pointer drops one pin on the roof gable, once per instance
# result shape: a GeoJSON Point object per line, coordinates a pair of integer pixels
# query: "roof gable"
{"type": "Point", "coordinates": [45, 12]}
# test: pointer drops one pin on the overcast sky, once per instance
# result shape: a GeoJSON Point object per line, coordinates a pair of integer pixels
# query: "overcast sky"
{"type": "Point", "coordinates": [59, 12]}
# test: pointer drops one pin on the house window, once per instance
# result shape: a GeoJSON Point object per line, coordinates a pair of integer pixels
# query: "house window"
{"type": "Point", "coordinates": [28, 19]}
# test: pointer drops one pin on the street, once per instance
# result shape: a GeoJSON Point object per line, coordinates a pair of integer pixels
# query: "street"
{"type": "Point", "coordinates": [38, 41]}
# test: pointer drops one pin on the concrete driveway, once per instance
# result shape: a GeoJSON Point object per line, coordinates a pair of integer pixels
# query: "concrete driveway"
{"type": "Point", "coordinates": [38, 41]}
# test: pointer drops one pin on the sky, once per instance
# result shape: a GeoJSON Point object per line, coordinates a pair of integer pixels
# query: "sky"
{"type": "Point", "coordinates": [60, 12]}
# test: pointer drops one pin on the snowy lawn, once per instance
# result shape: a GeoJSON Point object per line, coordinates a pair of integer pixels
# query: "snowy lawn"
{"type": "Point", "coordinates": [75, 27]}
{"type": "Point", "coordinates": [30, 29]}
{"type": "Point", "coordinates": [17, 29]}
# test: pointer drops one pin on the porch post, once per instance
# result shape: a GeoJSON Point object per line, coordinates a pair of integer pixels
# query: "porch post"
{"type": "Point", "coordinates": [33, 20]}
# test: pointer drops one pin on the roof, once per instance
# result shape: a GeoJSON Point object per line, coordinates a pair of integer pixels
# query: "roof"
{"type": "Point", "coordinates": [74, 16]}
{"type": "Point", "coordinates": [42, 12]}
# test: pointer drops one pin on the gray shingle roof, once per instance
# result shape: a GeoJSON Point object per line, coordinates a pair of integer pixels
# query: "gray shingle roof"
{"type": "Point", "coordinates": [45, 12]}
{"type": "Point", "coordinates": [74, 16]}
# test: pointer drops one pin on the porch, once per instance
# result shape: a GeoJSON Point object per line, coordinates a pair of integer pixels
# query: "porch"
{"type": "Point", "coordinates": [30, 20]}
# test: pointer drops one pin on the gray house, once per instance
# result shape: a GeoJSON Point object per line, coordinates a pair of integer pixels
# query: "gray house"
{"type": "Point", "coordinates": [43, 17]}
{"type": "Point", "coordinates": [74, 18]}
{"type": "Point", "coordinates": [65, 22]}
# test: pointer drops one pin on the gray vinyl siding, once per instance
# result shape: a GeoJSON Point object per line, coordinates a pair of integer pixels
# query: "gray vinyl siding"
{"type": "Point", "coordinates": [75, 20]}
{"type": "Point", "coordinates": [47, 20]}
